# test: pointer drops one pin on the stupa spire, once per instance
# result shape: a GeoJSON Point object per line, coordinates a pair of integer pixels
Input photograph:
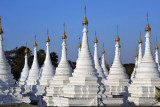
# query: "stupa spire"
{"type": "Point", "coordinates": [96, 59]}
{"type": "Point", "coordinates": [103, 51]}
{"type": "Point", "coordinates": [147, 28]}
{"type": "Point", "coordinates": [103, 65]}
{"type": "Point", "coordinates": [34, 71]}
{"type": "Point", "coordinates": [140, 49]}
{"type": "Point", "coordinates": [140, 39]}
{"type": "Point", "coordinates": [5, 69]}
{"type": "Point", "coordinates": [85, 21]}
{"type": "Point", "coordinates": [48, 69]}
{"type": "Point", "coordinates": [35, 43]}
{"type": "Point", "coordinates": [136, 65]}
{"type": "Point", "coordinates": [64, 33]}
{"type": "Point", "coordinates": [62, 74]}
{"type": "Point", "coordinates": [47, 39]}
{"type": "Point", "coordinates": [66, 70]}
{"type": "Point", "coordinates": [117, 63]}
{"type": "Point", "coordinates": [117, 37]}
{"type": "Point", "coordinates": [25, 70]}
{"type": "Point", "coordinates": [85, 53]}
{"type": "Point", "coordinates": [156, 47]}
{"type": "Point", "coordinates": [95, 39]}
{"type": "Point", "coordinates": [117, 74]}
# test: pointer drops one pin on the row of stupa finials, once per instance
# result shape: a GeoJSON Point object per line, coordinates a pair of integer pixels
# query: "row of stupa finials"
{"type": "Point", "coordinates": [89, 85]}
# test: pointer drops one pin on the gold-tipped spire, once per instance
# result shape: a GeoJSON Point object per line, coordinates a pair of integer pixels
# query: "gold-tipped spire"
{"type": "Point", "coordinates": [64, 33]}
{"type": "Point", "coordinates": [156, 47]}
{"type": "Point", "coordinates": [147, 26]}
{"type": "Point", "coordinates": [117, 37]}
{"type": "Point", "coordinates": [103, 51]}
{"type": "Point", "coordinates": [79, 45]}
{"type": "Point", "coordinates": [26, 50]}
{"type": "Point", "coordinates": [85, 21]}
{"type": "Point", "coordinates": [136, 55]}
{"type": "Point", "coordinates": [95, 39]}
{"type": "Point", "coordinates": [140, 40]}
{"type": "Point", "coordinates": [47, 39]}
{"type": "Point", "coordinates": [35, 43]}
{"type": "Point", "coordinates": [1, 31]}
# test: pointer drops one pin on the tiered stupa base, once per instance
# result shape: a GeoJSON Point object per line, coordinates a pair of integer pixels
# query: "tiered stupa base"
{"type": "Point", "coordinates": [40, 89]}
{"type": "Point", "coordinates": [6, 81]}
{"type": "Point", "coordinates": [55, 89]}
{"type": "Point", "coordinates": [117, 87]}
{"type": "Point", "coordinates": [13, 95]}
{"type": "Point", "coordinates": [82, 91]}
{"type": "Point", "coordinates": [143, 91]}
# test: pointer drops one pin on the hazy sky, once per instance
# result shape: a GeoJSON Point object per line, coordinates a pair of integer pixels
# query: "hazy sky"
{"type": "Point", "coordinates": [22, 19]}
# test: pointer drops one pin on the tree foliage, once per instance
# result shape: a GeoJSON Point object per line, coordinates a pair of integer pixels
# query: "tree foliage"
{"type": "Point", "coordinates": [15, 58]}
{"type": "Point", "coordinates": [72, 64]}
{"type": "Point", "coordinates": [129, 68]}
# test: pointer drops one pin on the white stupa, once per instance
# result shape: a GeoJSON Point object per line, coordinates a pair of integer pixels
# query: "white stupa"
{"type": "Point", "coordinates": [142, 89]}
{"type": "Point", "coordinates": [47, 72]}
{"type": "Point", "coordinates": [83, 87]}
{"type": "Point", "coordinates": [25, 70]}
{"type": "Point", "coordinates": [9, 92]}
{"type": "Point", "coordinates": [117, 80]}
{"type": "Point", "coordinates": [34, 71]}
{"type": "Point", "coordinates": [103, 64]}
{"type": "Point", "coordinates": [140, 50]}
{"type": "Point", "coordinates": [139, 59]}
{"type": "Point", "coordinates": [99, 70]}
{"type": "Point", "coordinates": [33, 74]}
{"type": "Point", "coordinates": [6, 78]}
{"type": "Point", "coordinates": [136, 65]}
{"type": "Point", "coordinates": [157, 56]}
{"type": "Point", "coordinates": [61, 77]}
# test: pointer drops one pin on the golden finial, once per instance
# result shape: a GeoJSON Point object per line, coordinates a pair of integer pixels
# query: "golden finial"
{"type": "Point", "coordinates": [117, 37]}
{"type": "Point", "coordinates": [79, 45]}
{"type": "Point", "coordinates": [156, 47]}
{"type": "Point", "coordinates": [95, 39]}
{"type": "Point", "coordinates": [64, 33]}
{"type": "Point", "coordinates": [103, 51]}
{"type": "Point", "coordinates": [1, 31]}
{"type": "Point", "coordinates": [136, 55]}
{"type": "Point", "coordinates": [35, 43]}
{"type": "Point", "coordinates": [147, 26]}
{"type": "Point", "coordinates": [85, 21]}
{"type": "Point", "coordinates": [140, 40]}
{"type": "Point", "coordinates": [26, 50]}
{"type": "Point", "coordinates": [47, 39]}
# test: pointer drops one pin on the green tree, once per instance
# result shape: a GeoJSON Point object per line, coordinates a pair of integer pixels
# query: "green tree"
{"type": "Point", "coordinates": [72, 64]}
{"type": "Point", "coordinates": [54, 59]}
{"type": "Point", "coordinates": [129, 68]}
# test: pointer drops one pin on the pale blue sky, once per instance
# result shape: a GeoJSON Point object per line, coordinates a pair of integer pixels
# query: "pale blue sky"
{"type": "Point", "coordinates": [21, 20]}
